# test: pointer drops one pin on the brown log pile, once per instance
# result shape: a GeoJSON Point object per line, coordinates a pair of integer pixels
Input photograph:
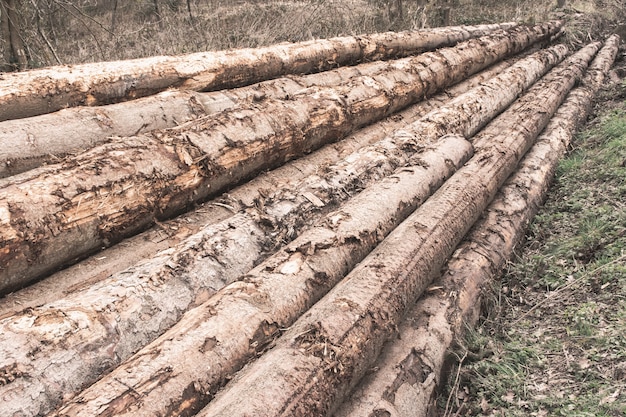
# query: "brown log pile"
{"type": "Point", "coordinates": [260, 250]}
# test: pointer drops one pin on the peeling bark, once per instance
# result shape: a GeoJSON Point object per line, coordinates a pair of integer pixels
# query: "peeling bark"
{"type": "Point", "coordinates": [42, 91]}
{"type": "Point", "coordinates": [324, 354]}
{"type": "Point", "coordinates": [260, 189]}
{"type": "Point", "coordinates": [240, 321]}
{"type": "Point", "coordinates": [28, 143]}
{"type": "Point", "coordinates": [517, 78]}
{"type": "Point", "coordinates": [57, 213]}
{"type": "Point", "coordinates": [409, 368]}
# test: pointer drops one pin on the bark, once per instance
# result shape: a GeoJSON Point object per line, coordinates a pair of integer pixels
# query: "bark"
{"type": "Point", "coordinates": [410, 367]}
{"type": "Point", "coordinates": [161, 306]}
{"type": "Point", "coordinates": [63, 211]}
{"type": "Point", "coordinates": [324, 354]}
{"type": "Point", "coordinates": [175, 353]}
{"type": "Point", "coordinates": [28, 143]}
{"type": "Point", "coordinates": [239, 321]}
{"type": "Point", "coordinates": [169, 233]}
{"type": "Point", "coordinates": [43, 91]}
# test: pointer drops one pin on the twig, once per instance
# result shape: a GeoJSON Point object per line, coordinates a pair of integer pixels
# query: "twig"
{"type": "Point", "coordinates": [42, 34]}
{"type": "Point", "coordinates": [95, 38]}
{"type": "Point", "coordinates": [455, 386]}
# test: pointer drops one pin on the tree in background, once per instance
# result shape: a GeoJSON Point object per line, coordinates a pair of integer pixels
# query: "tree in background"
{"type": "Point", "coordinates": [14, 51]}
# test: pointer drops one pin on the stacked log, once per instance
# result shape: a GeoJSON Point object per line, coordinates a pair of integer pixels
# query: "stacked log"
{"type": "Point", "coordinates": [111, 296]}
{"type": "Point", "coordinates": [410, 367]}
{"type": "Point", "coordinates": [57, 213]}
{"type": "Point", "coordinates": [253, 193]}
{"type": "Point", "coordinates": [300, 273]}
{"type": "Point", "coordinates": [43, 91]}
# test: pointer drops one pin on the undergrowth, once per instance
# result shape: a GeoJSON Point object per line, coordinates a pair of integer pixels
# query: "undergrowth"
{"type": "Point", "coordinates": [554, 342]}
{"type": "Point", "coordinates": [64, 32]}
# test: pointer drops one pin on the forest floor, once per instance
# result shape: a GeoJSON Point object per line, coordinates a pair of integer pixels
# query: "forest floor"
{"type": "Point", "coordinates": [552, 341]}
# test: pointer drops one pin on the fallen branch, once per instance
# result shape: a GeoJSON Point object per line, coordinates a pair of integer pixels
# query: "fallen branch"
{"type": "Point", "coordinates": [43, 91]}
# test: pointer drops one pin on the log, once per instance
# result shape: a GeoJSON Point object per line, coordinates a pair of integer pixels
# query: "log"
{"type": "Point", "coordinates": [163, 351]}
{"type": "Point", "coordinates": [47, 90]}
{"type": "Point", "coordinates": [237, 323]}
{"type": "Point", "coordinates": [410, 367]}
{"type": "Point", "coordinates": [54, 214]}
{"type": "Point", "coordinates": [171, 232]}
{"type": "Point", "coordinates": [114, 291]}
{"type": "Point", "coordinates": [322, 356]}
{"type": "Point", "coordinates": [31, 142]}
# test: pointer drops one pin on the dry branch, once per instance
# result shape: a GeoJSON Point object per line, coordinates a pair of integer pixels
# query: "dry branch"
{"type": "Point", "coordinates": [109, 390]}
{"type": "Point", "coordinates": [56, 213]}
{"type": "Point", "coordinates": [42, 91]}
{"type": "Point", "coordinates": [171, 232]}
{"type": "Point", "coordinates": [410, 367]}
{"type": "Point", "coordinates": [324, 354]}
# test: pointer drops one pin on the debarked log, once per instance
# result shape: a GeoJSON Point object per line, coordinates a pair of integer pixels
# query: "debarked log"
{"type": "Point", "coordinates": [47, 90]}
{"type": "Point", "coordinates": [410, 366]}
{"type": "Point", "coordinates": [54, 214]}
{"type": "Point", "coordinates": [109, 390]}
{"type": "Point", "coordinates": [325, 353]}
{"type": "Point", "coordinates": [176, 280]}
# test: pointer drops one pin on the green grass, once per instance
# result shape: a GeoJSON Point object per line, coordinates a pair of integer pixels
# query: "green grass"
{"type": "Point", "coordinates": [558, 334]}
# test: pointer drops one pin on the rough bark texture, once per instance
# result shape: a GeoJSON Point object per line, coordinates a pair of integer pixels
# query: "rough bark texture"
{"type": "Point", "coordinates": [324, 354]}
{"type": "Point", "coordinates": [409, 368]}
{"type": "Point", "coordinates": [47, 90]}
{"type": "Point", "coordinates": [30, 142]}
{"type": "Point", "coordinates": [259, 190]}
{"type": "Point", "coordinates": [239, 322]}
{"type": "Point", "coordinates": [56, 213]}
{"type": "Point", "coordinates": [517, 77]}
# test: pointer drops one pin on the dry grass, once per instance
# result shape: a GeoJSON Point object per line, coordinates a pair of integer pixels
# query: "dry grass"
{"type": "Point", "coordinates": [89, 30]}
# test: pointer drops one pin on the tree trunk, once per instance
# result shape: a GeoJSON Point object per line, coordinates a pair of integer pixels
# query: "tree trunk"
{"type": "Point", "coordinates": [113, 19]}
{"type": "Point", "coordinates": [238, 322]}
{"type": "Point", "coordinates": [168, 234]}
{"type": "Point", "coordinates": [15, 53]}
{"type": "Point", "coordinates": [323, 355]}
{"type": "Point", "coordinates": [431, 127]}
{"type": "Point", "coordinates": [28, 143]}
{"type": "Point", "coordinates": [409, 368]}
{"type": "Point", "coordinates": [46, 90]}
{"type": "Point", "coordinates": [57, 213]}
{"type": "Point", "coordinates": [6, 37]}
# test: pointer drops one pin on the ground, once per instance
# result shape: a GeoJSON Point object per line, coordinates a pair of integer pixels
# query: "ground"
{"type": "Point", "coordinates": [552, 341]}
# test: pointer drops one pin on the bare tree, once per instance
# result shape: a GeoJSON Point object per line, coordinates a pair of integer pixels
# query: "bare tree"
{"type": "Point", "coordinates": [14, 50]}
